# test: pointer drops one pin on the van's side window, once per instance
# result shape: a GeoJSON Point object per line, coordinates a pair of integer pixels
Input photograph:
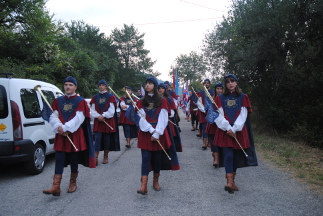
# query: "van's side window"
{"type": "Point", "coordinates": [3, 103]}
{"type": "Point", "coordinates": [30, 104]}
{"type": "Point", "coordinates": [49, 96]}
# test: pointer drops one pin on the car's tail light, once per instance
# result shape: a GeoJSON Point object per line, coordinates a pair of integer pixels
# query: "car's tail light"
{"type": "Point", "coordinates": [16, 121]}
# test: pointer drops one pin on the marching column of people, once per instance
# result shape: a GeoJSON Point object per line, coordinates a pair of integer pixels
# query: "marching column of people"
{"type": "Point", "coordinates": [225, 127]}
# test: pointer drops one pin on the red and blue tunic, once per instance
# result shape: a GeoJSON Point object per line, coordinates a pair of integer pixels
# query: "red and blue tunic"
{"type": "Point", "coordinates": [102, 104]}
{"type": "Point", "coordinates": [122, 118]}
{"type": "Point", "coordinates": [67, 108]}
{"type": "Point", "coordinates": [152, 114]}
{"type": "Point", "coordinates": [231, 106]}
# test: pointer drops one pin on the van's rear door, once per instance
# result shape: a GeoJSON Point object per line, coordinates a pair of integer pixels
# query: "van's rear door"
{"type": "Point", "coordinates": [6, 132]}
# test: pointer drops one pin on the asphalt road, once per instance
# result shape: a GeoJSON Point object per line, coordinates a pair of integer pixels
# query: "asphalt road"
{"type": "Point", "coordinates": [196, 189]}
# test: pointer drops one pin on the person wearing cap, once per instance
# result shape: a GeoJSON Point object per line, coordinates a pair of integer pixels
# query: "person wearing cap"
{"type": "Point", "coordinates": [153, 137]}
{"type": "Point", "coordinates": [70, 122]}
{"type": "Point", "coordinates": [105, 127]}
{"type": "Point", "coordinates": [139, 95]}
{"type": "Point", "coordinates": [201, 112]}
{"type": "Point", "coordinates": [211, 128]}
{"type": "Point", "coordinates": [129, 128]}
{"type": "Point", "coordinates": [234, 129]}
{"type": "Point", "coordinates": [173, 124]}
{"type": "Point", "coordinates": [171, 93]}
{"type": "Point", "coordinates": [192, 109]}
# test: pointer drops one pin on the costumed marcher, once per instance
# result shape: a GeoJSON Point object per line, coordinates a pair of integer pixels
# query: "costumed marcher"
{"type": "Point", "coordinates": [105, 128]}
{"type": "Point", "coordinates": [153, 137]}
{"type": "Point", "coordinates": [129, 128]}
{"type": "Point", "coordinates": [234, 131]}
{"type": "Point", "coordinates": [139, 95]}
{"type": "Point", "coordinates": [192, 109]}
{"type": "Point", "coordinates": [211, 128]}
{"type": "Point", "coordinates": [70, 122]}
{"type": "Point", "coordinates": [200, 103]}
{"type": "Point", "coordinates": [171, 93]}
{"type": "Point", "coordinates": [173, 124]}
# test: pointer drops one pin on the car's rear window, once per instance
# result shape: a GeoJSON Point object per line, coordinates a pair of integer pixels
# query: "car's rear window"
{"type": "Point", "coordinates": [3, 103]}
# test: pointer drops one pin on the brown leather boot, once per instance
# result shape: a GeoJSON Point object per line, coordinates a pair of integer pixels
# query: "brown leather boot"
{"type": "Point", "coordinates": [96, 158]}
{"type": "Point", "coordinates": [72, 187]}
{"type": "Point", "coordinates": [229, 186]}
{"type": "Point", "coordinates": [143, 189]}
{"type": "Point", "coordinates": [155, 182]}
{"type": "Point", "coordinates": [204, 143]}
{"type": "Point", "coordinates": [55, 189]}
{"type": "Point", "coordinates": [215, 159]}
{"type": "Point", "coordinates": [235, 188]}
{"type": "Point", "coordinates": [105, 157]}
{"type": "Point", "coordinates": [128, 142]}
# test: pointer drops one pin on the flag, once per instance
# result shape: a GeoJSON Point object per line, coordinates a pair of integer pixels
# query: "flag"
{"type": "Point", "coordinates": [142, 90]}
{"type": "Point", "coordinates": [46, 112]}
{"type": "Point", "coordinates": [211, 114]}
{"type": "Point", "coordinates": [176, 82]}
{"type": "Point", "coordinates": [132, 115]}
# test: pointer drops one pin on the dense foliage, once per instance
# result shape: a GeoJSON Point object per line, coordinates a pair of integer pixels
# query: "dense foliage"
{"type": "Point", "coordinates": [33, 46]}
{"type": "Point", "coordinates": [275, 48]}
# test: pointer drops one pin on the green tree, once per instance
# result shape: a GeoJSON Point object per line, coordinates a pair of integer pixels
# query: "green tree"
{"type": "Point", "coordinates": [135, 63]}
{"type": "Point", "coordinates": [275, 49]}
{"type": "Point", "coordinates": [190, 67]}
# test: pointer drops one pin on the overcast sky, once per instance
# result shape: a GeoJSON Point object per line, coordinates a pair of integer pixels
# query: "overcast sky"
{"type": "Point", "coordinates": [171, 27]}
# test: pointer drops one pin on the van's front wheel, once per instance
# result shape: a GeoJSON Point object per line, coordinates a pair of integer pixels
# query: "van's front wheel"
{"type": "Point", "coordinates": [37, 163]}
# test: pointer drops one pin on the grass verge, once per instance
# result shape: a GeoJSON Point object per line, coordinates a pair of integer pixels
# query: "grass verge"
{"type": "Point", "coordinates": [304, 163]}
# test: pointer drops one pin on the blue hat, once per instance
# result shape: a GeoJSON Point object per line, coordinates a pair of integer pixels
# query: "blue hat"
{"type": "Point", "coordinates": [103, 82]}
{"type": "Point", "coordinates": [128, 87]}
{"type": "Point", "coordinates": [162, 85]}
{"type": "Point", "coordinates": [166, 83]}
{"type": "Point", "coordinates": [219, 85]}
{"type": "Point", "coordinates": [231, 76]}
{"type": "Point", "coordinates": [207, 80]}
{"type": "Point", "coordinates": [70, 79]}
{"type": "Point", "coordinates": [154, 80]}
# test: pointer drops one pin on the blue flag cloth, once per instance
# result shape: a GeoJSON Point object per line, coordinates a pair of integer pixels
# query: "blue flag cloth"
{"type": "Point", "coordinates": [46, 112]}
{"type": "Point", "coordinates": [194, 98]}
{"type": "Point", "coordinates": [212, 114]}
{"type": "Point", "coordinates": [132, 115]}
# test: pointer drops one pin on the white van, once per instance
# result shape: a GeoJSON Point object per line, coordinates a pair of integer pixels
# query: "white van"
{"type": "Point", "coordinates": [24, 135]}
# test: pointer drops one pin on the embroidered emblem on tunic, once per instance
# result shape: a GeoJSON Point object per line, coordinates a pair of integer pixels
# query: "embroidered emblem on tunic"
{"type": "Point", "coordinates": [231, 103]}
{"type": "Point", "coordinates": [151, 106]}
{"type": "Point", "coordinates": [102, 100]}
{"type": "Point", "coordinates": [129, 101]}
{"type": "Point", "coordinates": [68, 107]}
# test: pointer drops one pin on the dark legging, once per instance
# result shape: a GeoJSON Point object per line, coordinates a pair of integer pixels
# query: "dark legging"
{"type": "Point", "coordinates": [60, 161]}
{"type": "Point", "coordinates": [213, 147]}
{"type": "Point", "coordinates": [229, 162]}
{"type": "Point", "coordinates": [194, 119]}
{"type": "Point", "coordinates": [98, 140]}
{"type": "Point", "coordinates": [203, 127]}
{"type": "Point", "coordinates": [150, 156]}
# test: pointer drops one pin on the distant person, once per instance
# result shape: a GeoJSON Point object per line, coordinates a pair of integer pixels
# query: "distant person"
{"type": "Point", "coordinates": [139, 95]}
{"type": "Point", "coordinates": [129, 128]}
{"type": "Point", "coordinates": [211, 128]}
{"type": "Point", "coordinates": [200, 102]}
{"type": "Point", "coordinates": [72, 124]}
{"type": "Point", "coordinates": [105, 128]}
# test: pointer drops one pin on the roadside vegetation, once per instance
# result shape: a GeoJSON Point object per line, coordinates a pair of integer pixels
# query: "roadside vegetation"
{"type": "Point", "coordinates": [301, 161]}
